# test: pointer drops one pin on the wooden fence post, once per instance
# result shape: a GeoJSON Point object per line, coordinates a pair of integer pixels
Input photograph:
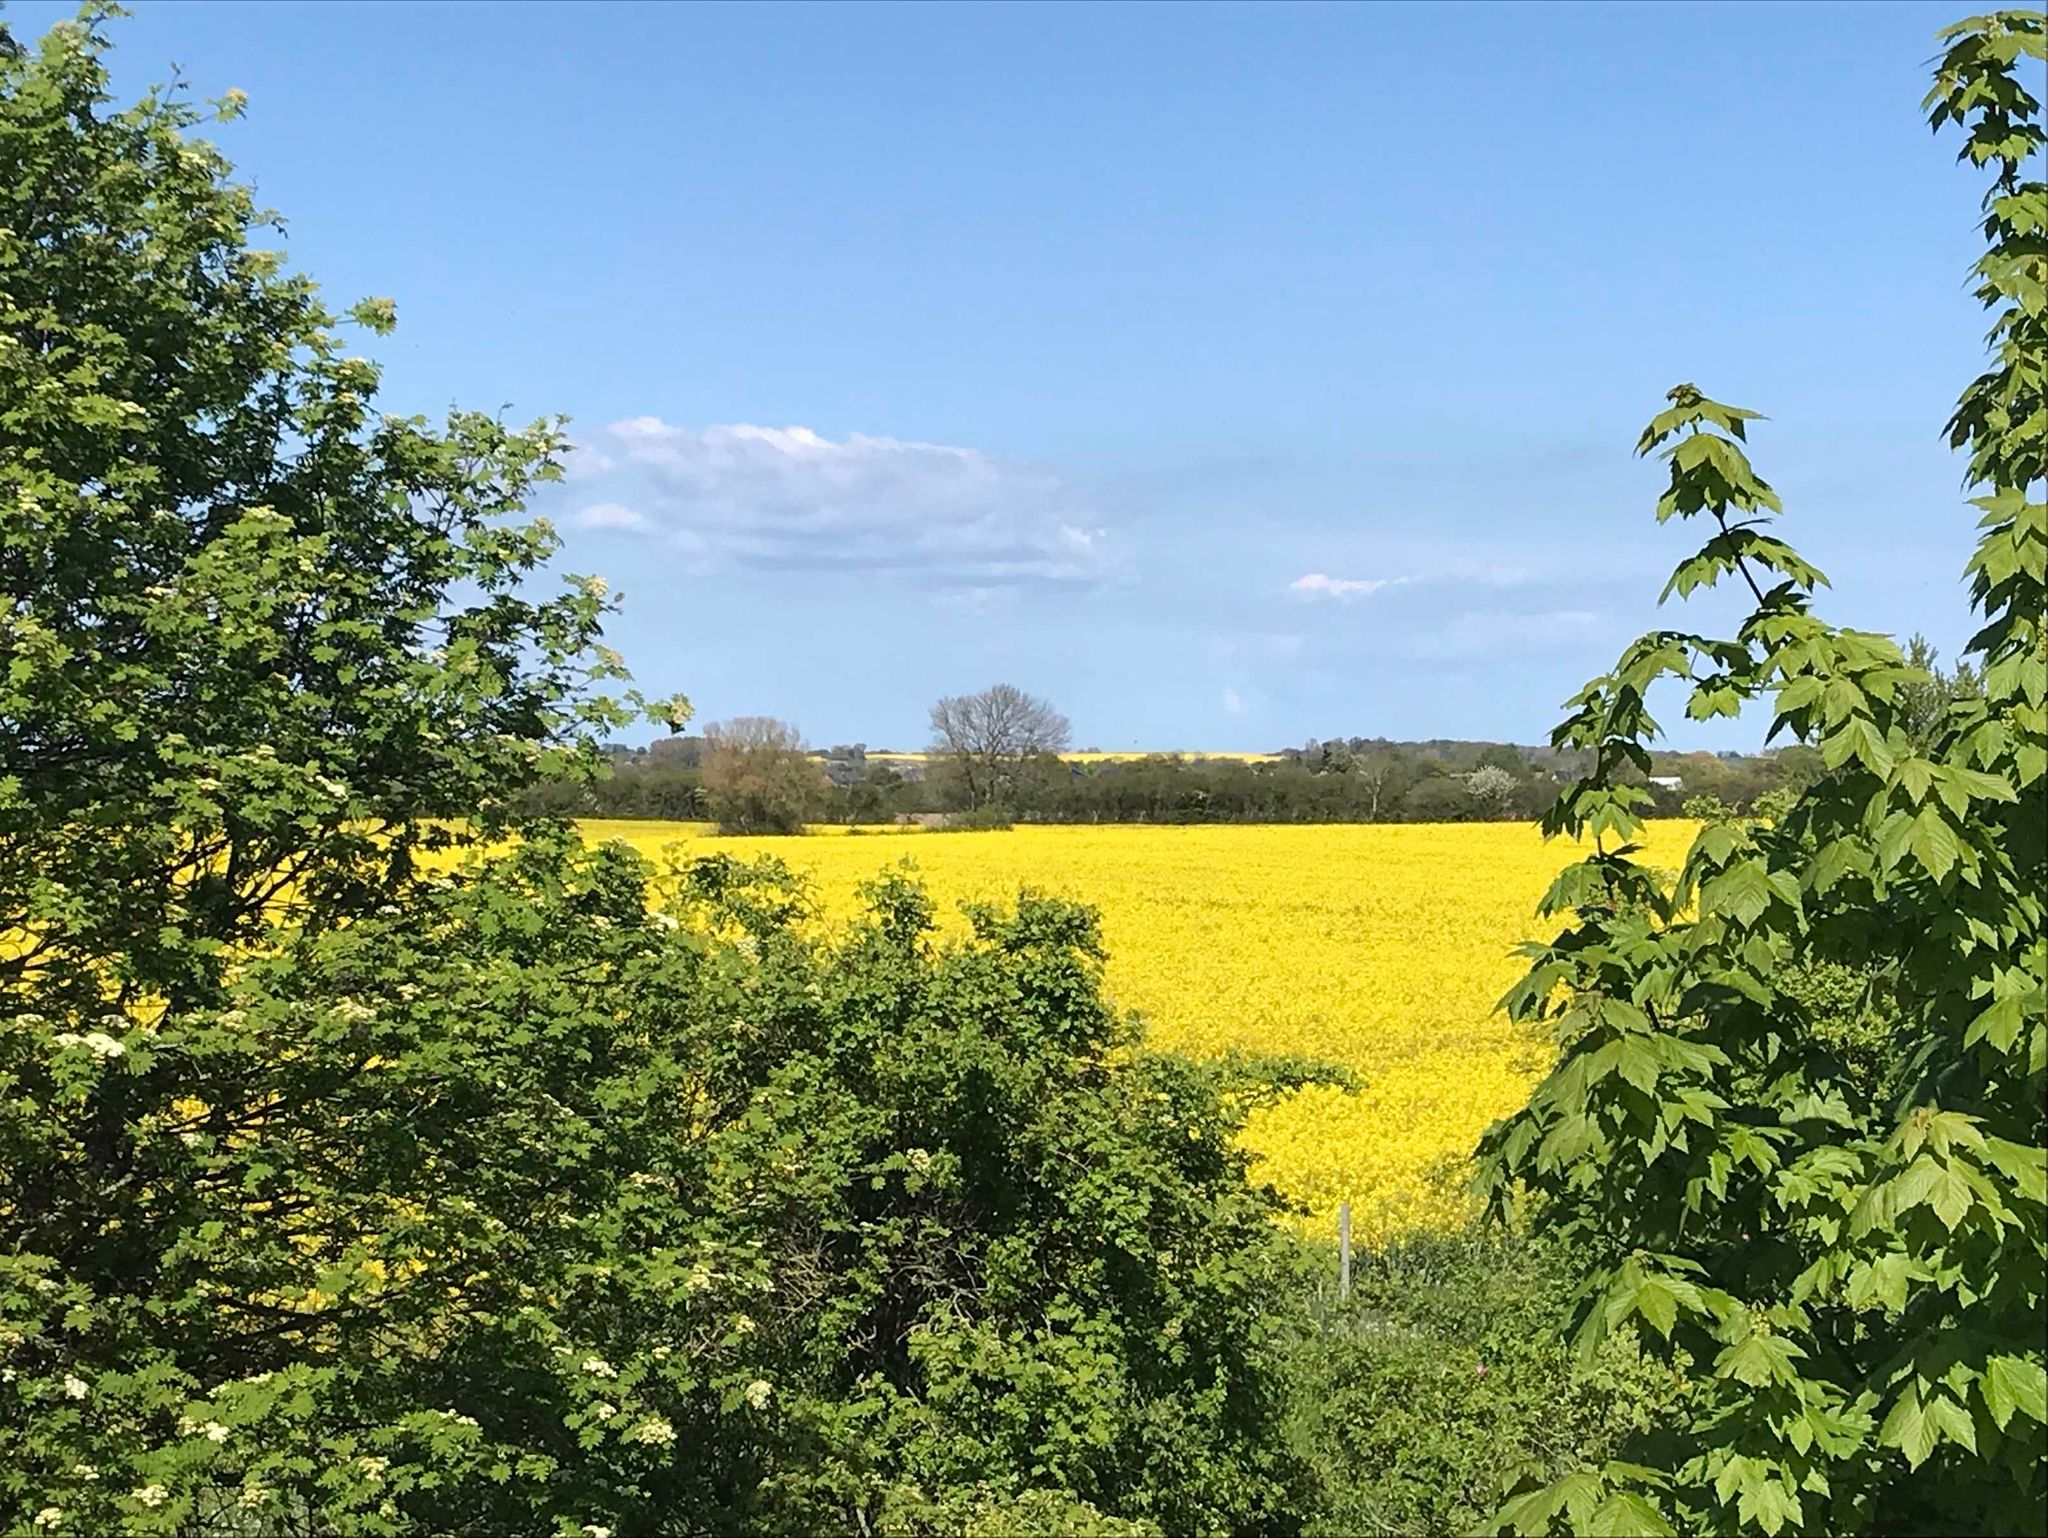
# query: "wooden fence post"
{"type": "Point", "coordinates": [1343, 1251]}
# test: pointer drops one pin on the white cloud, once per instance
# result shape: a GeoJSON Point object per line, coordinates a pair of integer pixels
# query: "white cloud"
{"type": "Point", "coordinates": [1234, 703]}
{"type": "Point", "coordinates": [586, 462]}
{"type": "Point", "coordinates": [1316, 584]}
{"type": "Point", "coordinates": [789, 499]}
{"type": "Point", "coordinates": [607, 515]}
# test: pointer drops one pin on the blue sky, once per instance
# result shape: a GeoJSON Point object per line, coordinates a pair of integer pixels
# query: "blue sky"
{"type": "Point", "coordinates": [1226, 375]}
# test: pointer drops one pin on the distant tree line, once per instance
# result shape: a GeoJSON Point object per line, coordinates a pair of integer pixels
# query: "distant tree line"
{"type": "Point", "coordinates": [994, 758]}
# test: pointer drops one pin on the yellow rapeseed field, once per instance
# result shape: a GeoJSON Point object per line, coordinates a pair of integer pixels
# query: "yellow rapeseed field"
{"type": "Point", "coordinates": [1382, 947]}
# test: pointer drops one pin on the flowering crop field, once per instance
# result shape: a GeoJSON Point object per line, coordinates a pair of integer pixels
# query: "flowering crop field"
{"type": "Point", "coordinates": [1382, 947]}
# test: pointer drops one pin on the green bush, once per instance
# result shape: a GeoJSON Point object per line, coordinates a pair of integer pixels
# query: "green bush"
{"type": "Point", "coordinates": [548, 1199]}
{"type": "Point", "coordinates": [1443, 1381]}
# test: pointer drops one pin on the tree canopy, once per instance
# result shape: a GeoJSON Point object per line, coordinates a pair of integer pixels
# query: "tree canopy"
{"type": "Point", "coordinates": [1850, 1261]}
{"type": "Point", "coordinates": [984, 737]}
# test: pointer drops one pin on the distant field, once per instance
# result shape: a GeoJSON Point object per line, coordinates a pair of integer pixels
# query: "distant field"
{"type": "Point", "coordinates": [1345, 942]}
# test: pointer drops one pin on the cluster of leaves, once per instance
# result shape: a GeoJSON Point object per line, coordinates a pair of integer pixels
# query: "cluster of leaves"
{"type": "Point", "coordinates": [238, 674]}
{"type": "Point", "coordinates": [1850, 1263]}
{"type": "Point", "coordinates": [1443, 1381]}
{"type": "Point", "coordinates": [555, 1201]}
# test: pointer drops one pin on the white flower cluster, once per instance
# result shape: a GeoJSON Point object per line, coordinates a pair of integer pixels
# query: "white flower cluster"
{"type": "Point", "coordinates": [101, 1044]}
{"type": "Point", "coordinates": [655, 1433]}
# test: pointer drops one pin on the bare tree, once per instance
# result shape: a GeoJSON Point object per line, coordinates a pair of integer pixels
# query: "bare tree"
{"type": "Point", "coordinates": [1373, 771]}
{"type": "Point", "coordinates": [757, 776]}
{"type": "Point", "coordinates": [986, 735]}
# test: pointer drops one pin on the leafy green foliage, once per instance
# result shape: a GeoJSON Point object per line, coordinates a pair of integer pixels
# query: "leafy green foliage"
{"type": "Point", "coordinates": [1851, 1261]}
{"type": "Point", "coordinates": [1442, 1382]}
{"type": "Point", "coordinates": [558, 1198]}
{"type": "Point", "coordinates": [263, 645]}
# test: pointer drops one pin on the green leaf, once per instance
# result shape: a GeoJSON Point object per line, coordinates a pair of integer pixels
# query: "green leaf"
{"type": "Point", "coordinates": [1770, 1504]}
{"type": "Point", "coordinates": [1951, 1198]}
{"type": "Point", "coordinates": [1934, 842]}
{"type": "Point", "coordinates": [1742, 891]}
{"type": "Point", "coordinates": [1953, 1422]}
{"type": "Point", "coordinates": [1998, 1024]}
{"type": "Point", "coordinates": [1625, 1514]}
{"type": "Point", "coordinates": [1881, 1281]}
{"type": "Point", "coordinates": [1637, 1062]}
{"type": "Point", "coordinates": [1914, 775]}
{"type": "Point", "coordinates": [1655, 1302]}
{"type": "Point", "coordinates": [1909, 1429]}
{"type": "Point", "coordinates": [2015, 1384]}
{"type": "Point", "coordinates": [1759, 1361]}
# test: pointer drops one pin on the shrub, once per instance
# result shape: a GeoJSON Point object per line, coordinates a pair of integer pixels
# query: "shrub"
{"type": "Point", "coordinates": [1444, 1380]}
{"type": "Point", "coordinates": [550, 1199]}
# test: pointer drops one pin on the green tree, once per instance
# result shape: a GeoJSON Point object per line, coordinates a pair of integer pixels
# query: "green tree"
{"type": "Point", "coordinates": [1854, 1276]}
{"type": "Point", "coordinates": [265, 651]}
{"type": "Point", "coordinates": [758, 778]}
{"type": "Point", "coordinates": [1502, 756]}
{"type": "Point", "coordinates": [238, 674]}
{"type": "Point", "coordinates": [1439, 798]}
{"type": "Point", "coordinates": [1924, 707]}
